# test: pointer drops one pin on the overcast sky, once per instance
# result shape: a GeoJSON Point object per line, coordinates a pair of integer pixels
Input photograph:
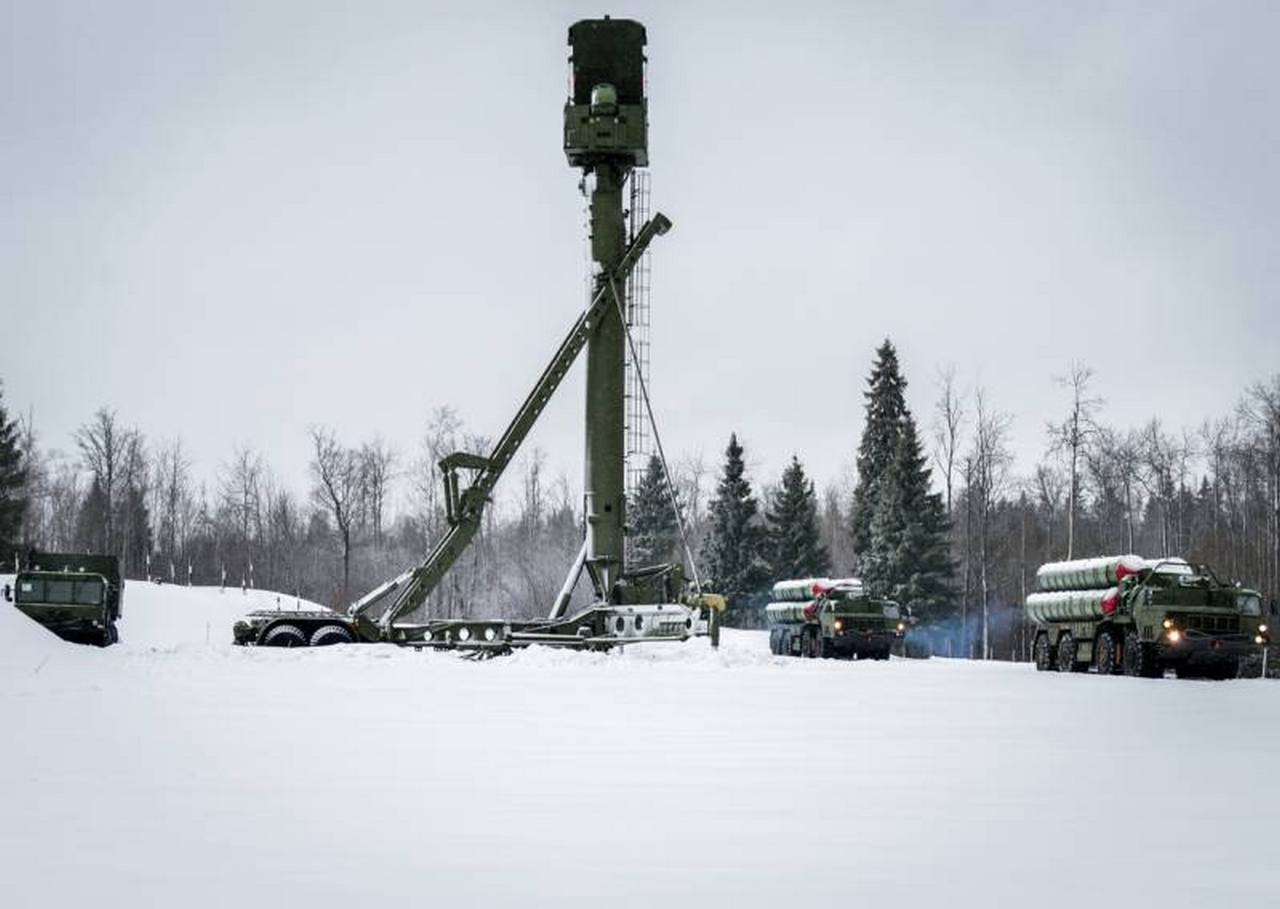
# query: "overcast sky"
{"type": "Point", "coordinates": [230, 221]}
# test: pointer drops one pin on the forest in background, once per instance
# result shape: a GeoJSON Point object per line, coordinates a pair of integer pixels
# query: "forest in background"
{"type": "Point", "coordinates": [367, 511]}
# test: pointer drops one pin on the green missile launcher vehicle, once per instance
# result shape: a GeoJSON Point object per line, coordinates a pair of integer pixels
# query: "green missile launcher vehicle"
{"type": "Point", "coordinates": [822, 617]}
{"type": "Point", "coordinates": [605, 137]}
{"type": "Point", "coordinates": [75, 595]}
{"type": "Point", "coordinates": [1139, 617]}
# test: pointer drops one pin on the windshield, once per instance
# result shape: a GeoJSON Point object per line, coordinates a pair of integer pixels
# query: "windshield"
{"type": "Point", "coordinates": [1250, 605]}
{"type": "Point", "coordinates": [60, 591]}
{"type": "Point", "coordinates": [88, 593]}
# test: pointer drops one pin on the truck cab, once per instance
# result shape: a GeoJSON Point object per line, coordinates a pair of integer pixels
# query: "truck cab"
{"type": "Point", "coordinates": [859, 626]}
{"type": "Point", "coordinates": [1195, 623]}
{"type": "Point", "coordinates": [76, 596]}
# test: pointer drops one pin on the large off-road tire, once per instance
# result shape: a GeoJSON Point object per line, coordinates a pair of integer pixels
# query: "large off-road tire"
{"type": "Point", "coordinates": [815, 643]}
{"type": "Point", "coordinates": [826, 647]}
{"type": "Point", "coordinates": [330, 634]}
{"type": "Point", "coordinates": [1221, 672]}
{"type": "Point", "coordinates": [883, 653]}
{"type": "Point", "coordinates": [1106, 654]}
{"type": "Point", "coordinates": [773, 640]}
{"type": "Point", "coordinates": [285, 636]}
{"type": "Point", "coordinates": [1140, 659]}
{"type": "Point", "coordinates": [1067, 648]}
{"type": "Point", "coordinates": [784, 643]}
{"type": "Point", "coordinates": [1045, 656]}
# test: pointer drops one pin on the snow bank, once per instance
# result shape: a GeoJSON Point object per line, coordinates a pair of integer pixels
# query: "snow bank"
{"type": "Point", "coordinates": [166, 617]}
{"type": "Point", "coordinates": [180, 772]}
{"type": "Point", "coordinates": [22, 642]}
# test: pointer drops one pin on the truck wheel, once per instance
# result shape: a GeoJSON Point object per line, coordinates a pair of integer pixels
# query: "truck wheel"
{"type": "Point", "coordinates": [1139, 658]}
{"type": "Point", "coordinates": [813, 649]}
{"type": "Point", "coordinates": [330, 634]}
{"type": "Point", "coordinates": [1104, 654]}
{"type": "Point", "coordinates": [784, 643]}
{"type": "Point", "coordinates": [285, 636]}
{"type": "Point", "coordinates": [1045, 657]}
{"type": "Point", "coordinates": [826, 649]}
{"type": "Point", "coordinates": [1227, 669]}
{"type": "Point", "coordinates": [1067, 653]}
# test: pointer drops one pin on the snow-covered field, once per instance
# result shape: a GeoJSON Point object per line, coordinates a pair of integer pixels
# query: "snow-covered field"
{"type": "Point", "coordinates": [176, 770]}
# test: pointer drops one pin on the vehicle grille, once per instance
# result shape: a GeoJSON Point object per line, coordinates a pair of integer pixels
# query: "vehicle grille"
{"type": "Point", "coordinates": [1211, 624]}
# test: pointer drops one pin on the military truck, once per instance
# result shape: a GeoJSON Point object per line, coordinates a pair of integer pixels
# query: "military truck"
{"type": "Point", "coordinates": [825, 617]}
{"type": "Point", "coordinates": [1139, 617]}
{"type": "Point", "coordinates": [75, 595]}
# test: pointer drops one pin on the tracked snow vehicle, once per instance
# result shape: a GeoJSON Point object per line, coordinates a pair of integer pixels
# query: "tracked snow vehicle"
{"type": "Point", "coordinates": [77, 596]}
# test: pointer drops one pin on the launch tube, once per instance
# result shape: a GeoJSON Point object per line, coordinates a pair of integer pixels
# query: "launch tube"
{"type": "Point", "coordinates": [809, 588]}
{"type": "Point", "coordinates": [1072, 605]}
{"type": "Point", "coordinates": [1088, 574]}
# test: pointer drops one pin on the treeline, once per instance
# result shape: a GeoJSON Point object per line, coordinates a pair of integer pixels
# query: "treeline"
{"type": "Point", "coordinates": [367, 514]}
{"type": "Point", "coordinates": [957, 534]}
{"type": "Point", "coordinates": [937, 517]}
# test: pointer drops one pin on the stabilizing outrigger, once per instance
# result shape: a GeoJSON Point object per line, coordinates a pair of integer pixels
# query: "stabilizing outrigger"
{"type": "Point", "coordinates": [606, 135]}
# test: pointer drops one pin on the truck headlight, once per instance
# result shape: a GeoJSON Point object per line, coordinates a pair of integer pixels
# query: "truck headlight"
{"type": "Point", "coordinates": [1257, 639]}
{"type": "Point", "coordinates": [1174, 635]}
{"type": "Point", "coordinates": [902, 627]}
{"type": "Point", "coordinates": [837, 625]}
{"type": "Point", "coordinates": [1262, 629]}
{"type": "Point", "coordinates": [1168, 623]}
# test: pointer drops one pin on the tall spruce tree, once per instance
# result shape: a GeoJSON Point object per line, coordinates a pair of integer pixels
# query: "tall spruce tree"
{"type": "Point", "coordinates": [926, 573]}
{"type": "Point", "coordinates": [654, 534]}
{"type": "Point", "coordinates": [878, 447]}
{"type": "Point", "coordinates": [794, 545]}
{"type": "Point", "coordinates": [13, 478]}
{"type": "Point", "coordinates": [732, 550]}
{"type": "Point", "coordinates": [899, 524]}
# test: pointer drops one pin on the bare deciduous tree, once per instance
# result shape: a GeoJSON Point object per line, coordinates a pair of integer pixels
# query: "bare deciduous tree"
{"type": "Point", "coordinates": [335, 471]}
{"type": "Point", "coordinates": [990, 459]}
{"type": "Point", "coordinates": [948, 426]}
{"type": "Point", "coordinates": [1071, 436]}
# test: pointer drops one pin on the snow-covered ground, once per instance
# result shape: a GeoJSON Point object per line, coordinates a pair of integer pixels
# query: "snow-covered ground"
{"type": "Point", "coordinates": [176, 770]}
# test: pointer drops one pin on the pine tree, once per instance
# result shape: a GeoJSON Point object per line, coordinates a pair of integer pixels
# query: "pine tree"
{"type": "Point", "coordinates": [654, 534]}
{"type": "Point", "coordinates": [881, 565]}
{"type": "Point", "coordinates": [878, 447]}
{"type": "Point", "coordinates": [926, 572]}
{"type": "Point", "coordinates": [13, 477]}
{"type": "Point", "coordinates": [732, 551]}
{"type": "Point", "coordinates": [899, 525]}
{"type": "Point", "coordinates": [794, 544]}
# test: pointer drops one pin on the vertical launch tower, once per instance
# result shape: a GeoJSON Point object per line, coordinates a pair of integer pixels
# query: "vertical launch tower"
{"type": "Point", "coordinates": [606, 135]}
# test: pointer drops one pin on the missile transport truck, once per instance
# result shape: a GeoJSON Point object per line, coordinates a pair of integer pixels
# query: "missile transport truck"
{"type": "Point", "coordinates": [1126, 614]}
{"type": "Point", "coordinates": [606, 138]}
{"type": "Point", "coordinates": [75, 595]}
{"type": "Point", "coordinates": [825, 617]}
